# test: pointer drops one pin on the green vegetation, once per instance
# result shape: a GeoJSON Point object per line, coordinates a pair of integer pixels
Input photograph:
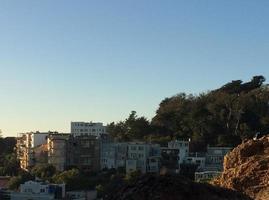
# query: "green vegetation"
{"type": "Point", "coordinates": [222, 117]}
{"type": "Point", "coordinates": [9, 165]}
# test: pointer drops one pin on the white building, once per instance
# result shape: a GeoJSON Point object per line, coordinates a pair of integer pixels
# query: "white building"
{"type": "Point", "coordinates": [113, 155]}
{"type": "Point", "coordinates": [215, 157]}
{"type": "Point", "coordinates": [144, 157]}
{"type": "Point", "coordinates": [39, 191]}
{"type": "Point", "coordinates": [182, 146]}
{"type": "Point", "coordinates": [87, 128]}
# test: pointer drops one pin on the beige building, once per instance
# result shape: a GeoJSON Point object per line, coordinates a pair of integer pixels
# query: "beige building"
{"type": "Point", "coordinates": [29, 147]}
{"type": "Point", "coordinates": [57, 147]}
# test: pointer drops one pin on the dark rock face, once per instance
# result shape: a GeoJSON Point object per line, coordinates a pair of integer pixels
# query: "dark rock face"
{"type": "Point", "coordinates": [168, 187]}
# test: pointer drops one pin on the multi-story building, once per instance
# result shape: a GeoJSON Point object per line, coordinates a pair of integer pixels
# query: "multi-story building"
{"type": "Point", "coordinates": [182, 146]}
{"type": "Point", "coordinates": [37, 191]}
{"type": "Point", "coordinates": [174, 155]}
{"type": "Point", "coordinates": [197, 159]}
{"type": "Point", "coordinates": [113, 155]}
{"type": "Point", "coordinates": [57, 147]}
{"type": "Point", "coordinates": [87, 128]}
{"type": "Point", "coordinates": [170, 159]}
{"type": "Point", "coordinates": [143, 157]}
{"type": "Point", "coordinates": [83, 152]}
{"type": "Point", "coordinates": [26, 145]}
{"type": "Point", "coordinates": [215, 157]}
{"type": "Point", "coordinates": [213, 163]}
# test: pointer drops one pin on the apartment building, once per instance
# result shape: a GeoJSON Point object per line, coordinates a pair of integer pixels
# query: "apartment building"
{"type": "Point", "coordinates": [113, 155]}
{"type": "Point", "coordinates": [37, 191]}
{"type": "Point", "coordinates": [213, 163]}
{"type": "Point", "coordinates": [57, 148]}
{"type": "Point", "coordinates": [215, 157]}
{"type": "Point", "coordinates": [170, 159]}
{"type": "Point", "coordinates": [144, 157]}
{"type": "Point", "coordinates": [197, 159]}
{"type": "Point", "coordinates": [87, 128]}
{"type": "Point", "coordinates": [182, 146]}
{"type": "Point", "coordinates": [83, 152]}
{"type": "Point", "coordinates": [28, 150]}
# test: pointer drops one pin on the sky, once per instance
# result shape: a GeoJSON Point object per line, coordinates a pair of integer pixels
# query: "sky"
{"type": "Point", "coordinates": [96, 60]}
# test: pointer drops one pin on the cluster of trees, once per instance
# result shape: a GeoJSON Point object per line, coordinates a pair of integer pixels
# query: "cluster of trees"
{"type": "Point", "coordinates": [222, 117]}
{"type": "Point", "coordinates": [9, 165]}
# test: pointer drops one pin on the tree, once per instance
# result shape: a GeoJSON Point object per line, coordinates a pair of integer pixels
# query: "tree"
{"type": "Point", "coordinates": [15, 181]}
{"type": "Point", "coordinates": [224, 116]}
{"type": "Point", "coordinates": [133, 127]}
{"type": "Point", "coordinates": [44, 171]}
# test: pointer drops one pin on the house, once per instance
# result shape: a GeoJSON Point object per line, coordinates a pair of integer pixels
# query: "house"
{"type": "Point", "coordinates": [174, 155]}
{"type": "Point", "coordinates": [113, 155]}
{"type": "Point", "coordinates": [57, 148]}
{"type": "Point", "coordinates": [196, 159]}
{"type": "Point", "coordinates": [215, 157]}
{"type": "Point", "coordinates": [143, 157]}
{"type": "Point", "coordinates": [83, 152]}
{"type": "Point", "coordinates": [37, 191]}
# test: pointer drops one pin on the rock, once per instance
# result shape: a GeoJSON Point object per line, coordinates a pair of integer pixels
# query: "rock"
{"type": "Point", "coordinates": [246, 169]}
{"type": "Point", "coordinates": [168, 187]}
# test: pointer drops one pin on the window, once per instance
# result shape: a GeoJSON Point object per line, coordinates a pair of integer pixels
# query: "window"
{"type": "Point", "coordinates": [140, 148]}
{"type": "Point", "coordinates": [133, 147]}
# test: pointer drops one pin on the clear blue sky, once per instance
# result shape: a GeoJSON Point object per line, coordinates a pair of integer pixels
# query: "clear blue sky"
{"type": "Point", "coordinates": [66, 60]}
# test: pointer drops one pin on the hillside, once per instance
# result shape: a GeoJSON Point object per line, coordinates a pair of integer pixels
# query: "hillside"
{"type": "Point", "coordinates": [149, 187]}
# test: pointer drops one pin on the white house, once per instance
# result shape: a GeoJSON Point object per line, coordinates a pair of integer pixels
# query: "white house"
{"type": "Point", "coordinates": [182, 146]}
{"type": "Point", "coordinates": [144, 157]}
{"type": "Point", "coordinates": [39, 191]}
{"type": "Point", "coordinates": [87, 128]}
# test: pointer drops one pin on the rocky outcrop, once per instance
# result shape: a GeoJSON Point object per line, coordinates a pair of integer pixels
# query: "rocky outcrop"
{"type": "Point", "coordinates": [168, 187]}
{"type": "Point", "coordinates": [246, 169]}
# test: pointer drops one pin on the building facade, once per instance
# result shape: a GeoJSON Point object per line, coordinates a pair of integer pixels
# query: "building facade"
{"type": "Point", "coordinates": [182, 146]}
{"type": "Point", "coordinates": [215, 157]}
{"type": "Point", "coordinates": [57, 148]}
{"type": "Point", "coordinates": [87, 128]}
{"type": "Point", "coordinates": [196, 159]}
{"type": "Point", "coordinates": [143, 157]}
{"type": "Point", "coordinates": [83, 152]}
{"type": "Point", "coordinates": [27, 145]}
{"type": "Point", "coordinates": [113, 155]}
